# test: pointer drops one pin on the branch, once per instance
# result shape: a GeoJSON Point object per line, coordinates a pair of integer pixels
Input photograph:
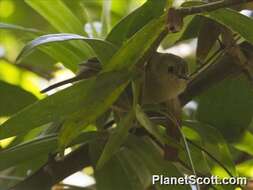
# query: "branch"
{"type": "Point", "coordinates": [210, 6]}
{"type": "Point", "coordinates": [54, 171]}
{"type": "Point", "coordinates": [224, 68]}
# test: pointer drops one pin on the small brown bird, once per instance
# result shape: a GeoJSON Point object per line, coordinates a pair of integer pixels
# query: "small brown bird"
{"type": "Point", "coordinates": [165, 78]}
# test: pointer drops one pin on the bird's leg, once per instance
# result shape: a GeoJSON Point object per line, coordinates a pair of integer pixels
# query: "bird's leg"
{"type": "Point", "coordinates": [173, 124]}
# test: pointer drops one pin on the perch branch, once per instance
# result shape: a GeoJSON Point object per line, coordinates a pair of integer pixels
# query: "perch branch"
{"type": "Point", "coordinates": [56, 170]}
{"type": "Point", "coordinates": [211, 6]}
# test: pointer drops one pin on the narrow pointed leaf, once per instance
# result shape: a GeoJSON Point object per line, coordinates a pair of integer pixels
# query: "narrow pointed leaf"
{"type": "Point", "coordinates": [116, 139]}
{"type": "Point", "coordinates": [245, 143]}
{"type": "Point", "coordinates": [9, 26]}
{"type": "Point", "coordinates": [129, 25]}
{"type": "Point", "coordinates": [88, 97]}
{"type": "Point", "coordinates": [58, 15]}
{"type": "Point", "coordinates": [104, 50]}
{"type": "Point", "coordinates": [36, 148]}
{"type": "Point", "coordinates": [137, 46]}
{"type": "Point", "coordinates": [148, 125]}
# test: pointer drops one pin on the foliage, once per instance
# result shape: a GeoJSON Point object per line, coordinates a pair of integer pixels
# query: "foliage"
{"type": "Point", "coordinates": [104, 113]}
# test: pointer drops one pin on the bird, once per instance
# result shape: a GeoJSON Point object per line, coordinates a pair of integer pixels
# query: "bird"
{"type": "Point", "coordinates": [165, 77]}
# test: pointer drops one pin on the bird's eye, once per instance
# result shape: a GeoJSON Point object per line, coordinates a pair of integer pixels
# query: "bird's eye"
{"type": "Point", "coordinates": [170, 69]}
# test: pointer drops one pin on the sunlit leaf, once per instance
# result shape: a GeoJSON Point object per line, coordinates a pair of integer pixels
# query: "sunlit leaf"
{"type": "Point", "coordinates": [129, 25]}
{"type": "Point", "coordinates": [214, 143]}
{"type": "Point", "coordinates": [58, 15]}
{"type": "Point", "coordinates": [138, 45]}
{"type": "Point", "coordinates": [13, 98]}
{"type": "Point", "coordinates": [104, 50]}
{"type": "Point", "coordinates": [245, 143]}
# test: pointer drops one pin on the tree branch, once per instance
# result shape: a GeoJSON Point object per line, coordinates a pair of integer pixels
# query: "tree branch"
{"type": "Point", "coordinates": [222, 69]}
{"type": "Point", "coordinates": [210, 6]}
{"type": "Point", "coordinates": [56, 170]}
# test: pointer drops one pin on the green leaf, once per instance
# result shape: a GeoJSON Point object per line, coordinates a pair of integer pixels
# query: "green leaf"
{"type": "Point", "coordinates": [134, 164]}
{"type": "Point", "coordinates": [104, 50]}
{"type": "Point", "coordinates": [148, 125]}
{"type": "Point", "coordinates": [22, 152]}
{"type": "Point", "coordinates": [13, 98]}
{"type": "Point", "coordinates": [129, 25]}
{"type": "Point", "coordinates": [228, 106]}
{"type": "Point", "coordinates": [62, 19]}
{"type": "Point", "coordinates": [246, 168]}
{"type": "Point", "coordinates": [245, 143]}
{"type": "Point", "coordinates": [58, 15]}
{"type": "Point", "coordinates": [14, 27]}
{"type": "Point", "coordinates": [36, 148]}
{"type": "Point", "coordinates": [147, 151]}
{"type": "Point", "coordinates": [213, 142]}
{"type": "Point", "coordinates": [116, 139]}
{"type": "Point", "coordinates": [89, 97]}
{"type": "Point", "coordinates": [61, 53]}
{"type": "Point", "coordinates": [235, 21]}
{"type": "Point", "coordinates": [64, 53]}
{"type": "Point", "coordinates": [137, 46]}
{"type": "Point", "coordinates": [116, 175]}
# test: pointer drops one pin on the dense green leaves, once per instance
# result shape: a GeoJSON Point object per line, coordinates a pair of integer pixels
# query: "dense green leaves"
{"type": "Point", "coordinates": [141, 42]}
{"type": "Point", "coordinates": [117, 175]}
{"type": "Point", "coordinates": [87, 98]}
{"type": "Point", "coordinates": [225, 107]}
{"type": "Point", "coordinates": [13, 98]}
{"type": "Point", "coordinates": [121, 158]}
{"type": "Point", "coordinates": [142, 148]}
